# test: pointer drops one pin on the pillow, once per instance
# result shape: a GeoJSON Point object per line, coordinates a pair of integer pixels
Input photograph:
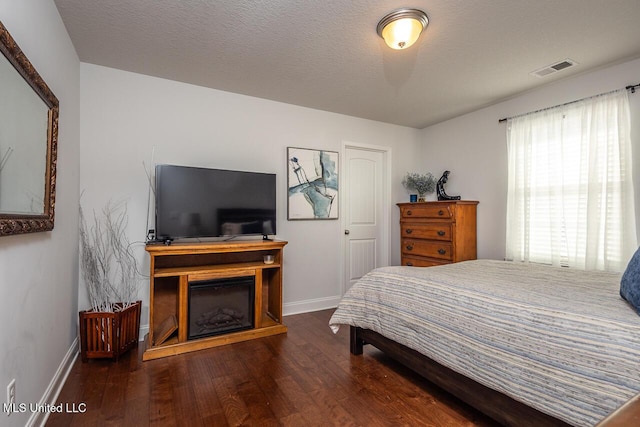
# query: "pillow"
{"type": "Point", "coordinates": [630, 282]}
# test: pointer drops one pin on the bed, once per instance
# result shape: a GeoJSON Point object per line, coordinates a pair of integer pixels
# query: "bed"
{"type": "Point", "coordinates": [526, 344]}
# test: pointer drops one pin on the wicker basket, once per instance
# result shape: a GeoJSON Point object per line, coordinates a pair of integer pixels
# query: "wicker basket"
{"type": "Point", "coordinates": [107, 334]}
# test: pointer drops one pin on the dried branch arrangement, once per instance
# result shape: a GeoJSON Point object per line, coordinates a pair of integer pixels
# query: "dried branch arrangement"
{"type": "Point", "coordinates": [422, 183]}
{"type": "Point", "coordinates": [109, 267]}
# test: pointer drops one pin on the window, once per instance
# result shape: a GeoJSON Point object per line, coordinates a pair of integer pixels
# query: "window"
{"type": "Point", "coordinates": [570, 189]}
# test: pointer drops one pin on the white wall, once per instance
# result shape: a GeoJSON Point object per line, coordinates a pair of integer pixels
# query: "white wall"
{"type": "Point", "coordinates": [125, 115]}
{"type": "Point", "coordinates": [38, 272]}
{"type": "Point", "coordinates": [474, 147]}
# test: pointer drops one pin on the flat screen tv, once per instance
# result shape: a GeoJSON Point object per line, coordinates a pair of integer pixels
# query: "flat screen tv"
{"type": "Point", "coordinates": [201, 202]}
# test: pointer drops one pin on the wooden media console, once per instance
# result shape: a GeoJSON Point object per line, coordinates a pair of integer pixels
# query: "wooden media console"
{"type": "Point", "coordinates": [173, 267]}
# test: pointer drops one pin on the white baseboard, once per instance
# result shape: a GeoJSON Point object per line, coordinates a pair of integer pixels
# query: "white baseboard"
{"type": "Point", "coordinates": [310, 305]}
{"type": "Point", "coordinates": [144, 330]}
{"type": "Point", "coordinates": [39, 418]}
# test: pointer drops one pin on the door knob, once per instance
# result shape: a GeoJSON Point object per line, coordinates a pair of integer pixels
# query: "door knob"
{"type": "Point", "coordinates": [346, 231]}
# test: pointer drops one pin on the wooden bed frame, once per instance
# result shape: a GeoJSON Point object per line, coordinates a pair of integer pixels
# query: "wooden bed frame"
{"type": "Point", "coordinates": [496, 405]}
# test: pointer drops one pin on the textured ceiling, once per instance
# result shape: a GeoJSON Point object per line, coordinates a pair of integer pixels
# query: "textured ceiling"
{"type": "Point", "coordinates": [325, 54]}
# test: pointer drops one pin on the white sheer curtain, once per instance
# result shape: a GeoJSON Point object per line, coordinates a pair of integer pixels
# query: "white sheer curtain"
{"type": "Point", "coordinates": [570, 190]}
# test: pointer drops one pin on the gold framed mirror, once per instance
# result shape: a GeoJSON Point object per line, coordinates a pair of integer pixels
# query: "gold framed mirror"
{"type": "Point", "coordinates": [28, 144]}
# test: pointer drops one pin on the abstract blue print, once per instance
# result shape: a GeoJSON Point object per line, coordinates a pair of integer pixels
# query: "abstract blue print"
{"type": "Point", "coordinates": [313, 184]}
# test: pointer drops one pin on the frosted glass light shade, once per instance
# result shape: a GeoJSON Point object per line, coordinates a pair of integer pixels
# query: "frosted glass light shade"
{"type": "Point", "coordinates": [400, 29]}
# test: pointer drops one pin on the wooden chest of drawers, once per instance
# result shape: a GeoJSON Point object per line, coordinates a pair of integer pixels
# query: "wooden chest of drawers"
{"type": "Point", "coordinates": [435, 233]}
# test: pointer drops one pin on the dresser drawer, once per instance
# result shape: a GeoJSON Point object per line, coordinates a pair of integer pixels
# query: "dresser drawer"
{"type": "Point", "coordinates": [426, 211]}
{"type": "Point", "coordinates": [427, 231]}
{"type": "Point", "coordinates": [439, 250]}
{"type": "Point", "coordinates": [421, 262]}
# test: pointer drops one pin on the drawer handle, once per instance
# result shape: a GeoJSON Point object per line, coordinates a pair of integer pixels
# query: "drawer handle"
{"type": "Point", "coordinates": [409, 212]}
{"type": "Point", "coordinates": [409, 231]}
{"type": "Point", "coordinates": [440, 233]}
{"type": "Point", "coordinates": [409, 247]}
{"type": "Point", "coordinates": [409, 264]}
{"type": "Point", "coordinates": [440, 212]}
{"type": "Point", "coordinates": [442, 251]}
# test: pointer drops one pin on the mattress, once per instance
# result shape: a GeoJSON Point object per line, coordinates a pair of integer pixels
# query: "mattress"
{"type": "Point", "coordinates": [559, 340]}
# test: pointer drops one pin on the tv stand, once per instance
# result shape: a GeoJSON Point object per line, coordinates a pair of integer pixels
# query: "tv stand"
{"type": "Point", "coordinates": [173, 267]}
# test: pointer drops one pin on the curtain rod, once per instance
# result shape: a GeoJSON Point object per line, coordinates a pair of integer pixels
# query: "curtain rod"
{"type": "Point", "coordinates": [632, 88]}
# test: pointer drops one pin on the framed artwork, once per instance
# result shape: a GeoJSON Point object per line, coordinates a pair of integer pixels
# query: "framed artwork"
{"type": "Point", "coordinates": [312, 181]}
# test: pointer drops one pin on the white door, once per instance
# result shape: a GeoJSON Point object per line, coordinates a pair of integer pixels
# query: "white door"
{"type": "Point", "coordinates": [365, 207]}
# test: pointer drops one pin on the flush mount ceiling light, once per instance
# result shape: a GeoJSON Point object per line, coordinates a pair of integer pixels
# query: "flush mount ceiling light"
{"type": "Point", "coordinates": [401, 28]}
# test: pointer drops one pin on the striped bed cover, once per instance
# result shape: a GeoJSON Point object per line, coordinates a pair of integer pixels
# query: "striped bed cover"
{"type": "Point", "coordinates": [559, 340]}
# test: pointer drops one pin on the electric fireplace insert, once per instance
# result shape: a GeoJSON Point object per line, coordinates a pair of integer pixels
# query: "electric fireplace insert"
{"type": "Point", "coordinates": [220, 306]}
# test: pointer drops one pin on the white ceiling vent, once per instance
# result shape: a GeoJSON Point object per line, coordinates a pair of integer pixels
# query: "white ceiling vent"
{"type": "Point", "coordinates": [554, 68]}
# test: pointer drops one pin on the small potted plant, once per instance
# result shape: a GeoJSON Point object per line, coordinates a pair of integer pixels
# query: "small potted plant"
{"type": "Point", "coordinates": [420, 183]}
{"type": "Point", "coordinates": [110, 273]}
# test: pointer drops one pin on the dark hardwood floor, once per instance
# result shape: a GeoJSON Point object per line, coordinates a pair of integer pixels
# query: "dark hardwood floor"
{"type": "Point", "coordinates": [304, 378]}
